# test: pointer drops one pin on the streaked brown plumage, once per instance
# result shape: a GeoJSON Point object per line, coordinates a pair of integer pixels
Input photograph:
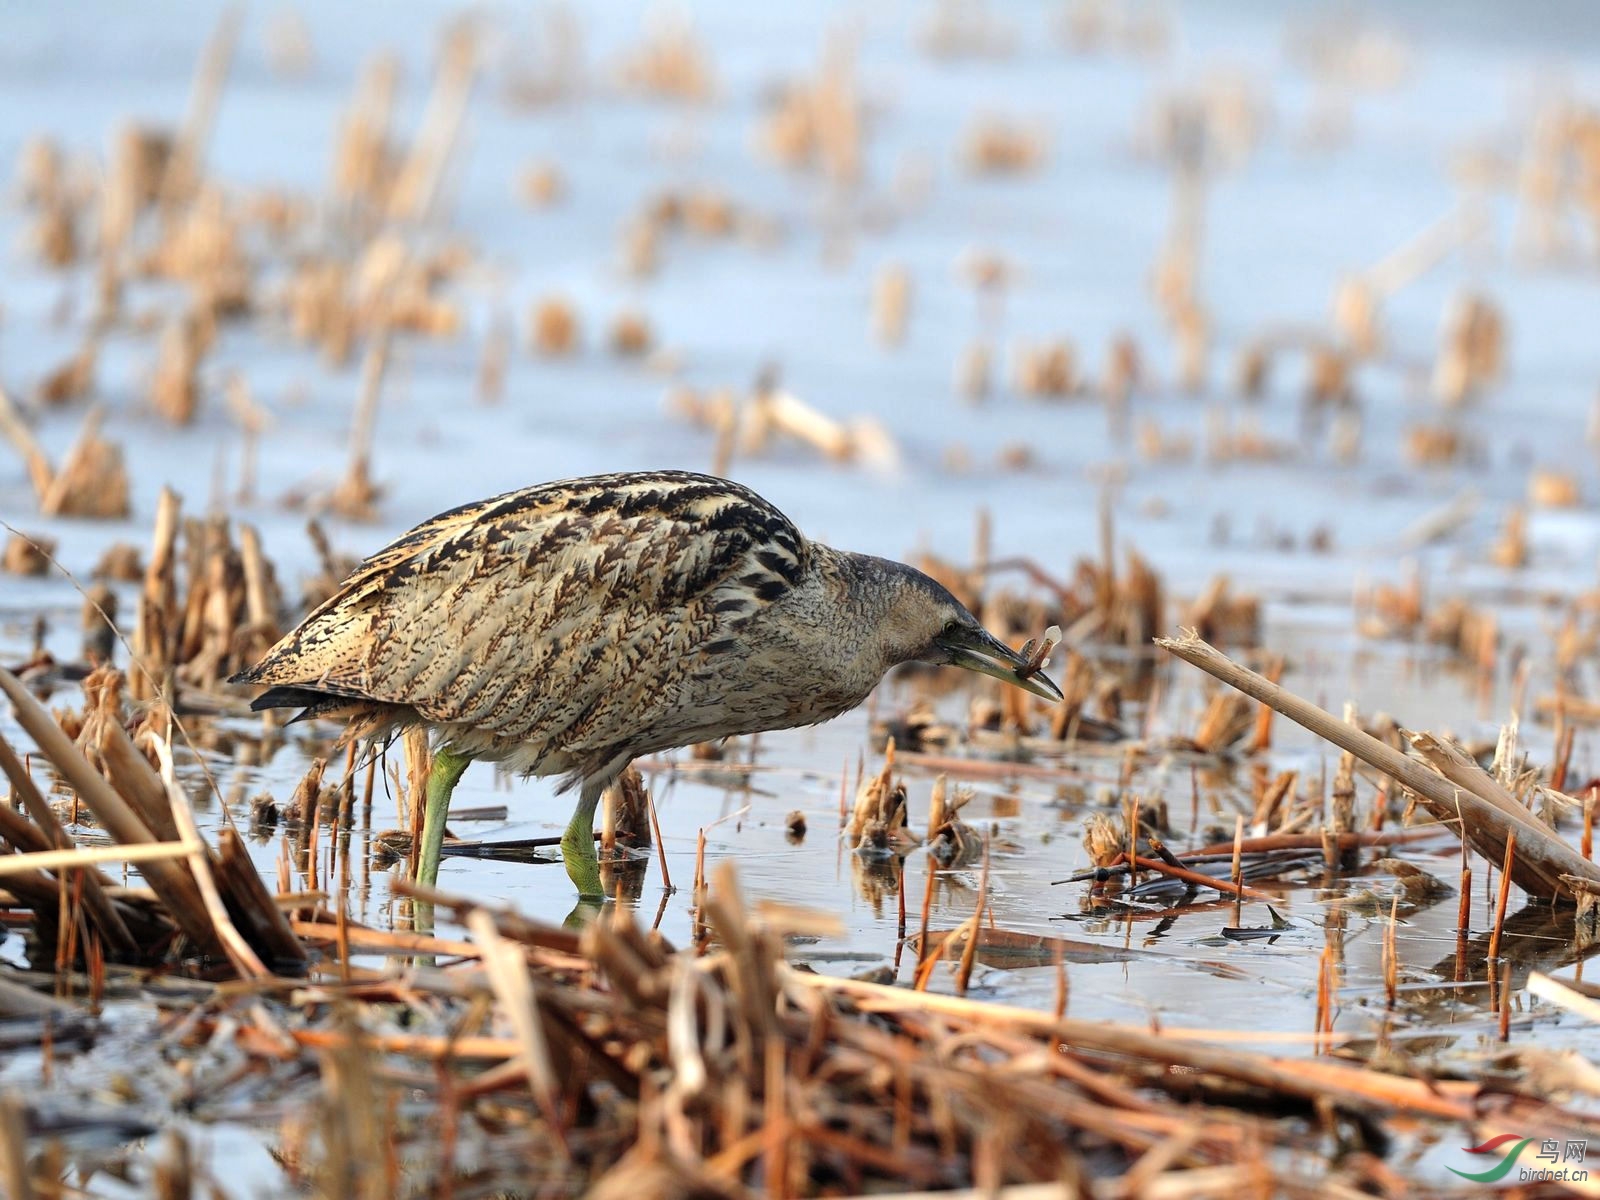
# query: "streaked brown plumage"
{"type": "Point", "coordinates": [567, 628]}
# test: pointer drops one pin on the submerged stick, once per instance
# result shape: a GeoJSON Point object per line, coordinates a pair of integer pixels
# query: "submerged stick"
{"type": "Point", "coordinates": [1543, 858]}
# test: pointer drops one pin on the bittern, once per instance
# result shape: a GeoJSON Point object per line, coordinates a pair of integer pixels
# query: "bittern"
{"type": "Point", "coordinates": [569, 628]}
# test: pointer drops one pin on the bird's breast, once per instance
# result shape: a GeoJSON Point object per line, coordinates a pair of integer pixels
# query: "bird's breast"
{"type": "Point", "coordinates": [758, 682]}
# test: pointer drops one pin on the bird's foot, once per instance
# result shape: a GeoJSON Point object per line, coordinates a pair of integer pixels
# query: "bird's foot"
{"type": "Point", "coordinates": [443, 775]}
{"type": "Point", "coordinates": [583, 867]}
{"type": "Point", "coordinates": [583, 912]}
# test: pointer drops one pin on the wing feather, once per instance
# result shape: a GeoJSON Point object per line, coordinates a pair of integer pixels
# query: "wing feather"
{"type": "Point", "coordinates": [567, 613]}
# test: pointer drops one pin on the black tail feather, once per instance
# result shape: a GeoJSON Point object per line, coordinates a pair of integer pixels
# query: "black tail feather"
{"type": "Point", "coordinates": [313, 702]}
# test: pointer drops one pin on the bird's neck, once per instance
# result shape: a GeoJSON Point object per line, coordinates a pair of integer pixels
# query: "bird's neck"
{"type": "Point", "coordinates": [853, 600]}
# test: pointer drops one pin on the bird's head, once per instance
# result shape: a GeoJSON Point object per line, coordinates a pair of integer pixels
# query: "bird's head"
{"type": "Point", "coordinates": [925, 623]}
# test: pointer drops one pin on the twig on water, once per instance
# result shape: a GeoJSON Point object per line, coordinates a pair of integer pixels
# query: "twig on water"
{"type": "Point", "coordinates": [1455, 790]}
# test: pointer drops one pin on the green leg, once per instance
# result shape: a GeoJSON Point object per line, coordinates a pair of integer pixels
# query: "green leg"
{"type": "Point", "coordinates": [577, 844]}
{"type": "Point", "coordinates": [442, 777]}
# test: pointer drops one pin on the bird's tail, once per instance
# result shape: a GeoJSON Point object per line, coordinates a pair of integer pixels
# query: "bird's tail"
{"type": "Point", "coordinates": [310, 701]}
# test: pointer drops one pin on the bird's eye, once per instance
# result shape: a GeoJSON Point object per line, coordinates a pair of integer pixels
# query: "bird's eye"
{"type": "Point", "coordinates": [951, 628]}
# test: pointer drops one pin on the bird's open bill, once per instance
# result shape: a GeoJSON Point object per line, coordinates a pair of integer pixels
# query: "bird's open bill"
{"type": "Point", "coordinates": [979, 650]}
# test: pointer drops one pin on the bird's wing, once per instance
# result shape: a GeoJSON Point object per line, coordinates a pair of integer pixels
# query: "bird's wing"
{"type": "Point", "coordinates": [550, 612]}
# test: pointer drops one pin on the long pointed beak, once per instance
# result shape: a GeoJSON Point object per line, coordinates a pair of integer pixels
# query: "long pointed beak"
{"type": "Point", "coordinates": [980, 651]}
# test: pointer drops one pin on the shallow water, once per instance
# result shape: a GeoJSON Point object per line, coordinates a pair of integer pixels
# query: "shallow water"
{"type": "Point", "coordinates": [1083, 231]}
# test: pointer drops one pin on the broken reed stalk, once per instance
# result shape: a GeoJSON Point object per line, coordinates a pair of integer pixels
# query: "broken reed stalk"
{"type": "Point", "coordinates": [969, 952]}
{"type": "Point", "coordinates": [258, 608]}
{"type": "Point", "coordinates": [1560, 994]}
{"type": "Point", "coordinates": [93, 856]}
{"type": "Point", "coordinates": [661, 845]}
{"type": "Point", "coordinates": [58, 499]}
{"type": "Point", "coordinates": [1317, 841]}
{"type": "Point", "coordinates": [698, 890]}
{"type": "Point", "coordinates": [157, 614]}
{"type": "Point", "coordinates": [1131, 854]}
{"type": "Point", "coordinates": [1505, 1002]}
{"type": "Point", "coordinates": [33, 888]}
{"type": "Point", "coordinates": [254, 906]}
{"type": "Point", "coordinates": [1391, 953]}
{"type": "Point", "coordinates": [416, 188]}
{"type": "Point", "coordinates": [927, 910]}
{"type": "Point", "coordinates": [1457, 793]}
{"type": "Point", "coordinates": [1504, 898]}
{"type": "Point", "coordinates": [151, 818]}
{"type": "Point", "coordinates": [1237, 869]}
{"type": "Point", "coordinates": [1358, 1087]}
{"type": "Point", "coordinates": [16, 431]}
{"type": "Point", "coordinates": [211, 73]}
{"type": "Point", "coordinates": [1428, 246]}
{"type": "Point", "coordinates": [1063, 987]}
{"type": "Point", "coordinates": [496, 356]}
{"type": "Point", "coordinates": [51, 834]}
{"type": "Point", "coordinates": [172, 882]}
{"type": "Point", "coordinates": [14, 1147]}
{"type": "Point", "coordinates": [1325, 993]}
{"type": "Point", "coordinates": [746, 1048]}
{"type": "Point", "coordinates": [239, 953]}
{"type": "Point", "coordinates": [1558, 771]}
{"type": "Point", "coordinates": [129, 772]}
{"type": "Point", "coordinates": [354, 496]}
{"type": "Point", "coordinates": [1262, 741]}
{"type": "Point", "coordinates": [1537, 840]}
{"type": "Point", "coordinates": [513, 986]}
{"type": "Point", "coordinates": [384, 941]}
{"type": "Point", "coordinates": [900, 905]}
